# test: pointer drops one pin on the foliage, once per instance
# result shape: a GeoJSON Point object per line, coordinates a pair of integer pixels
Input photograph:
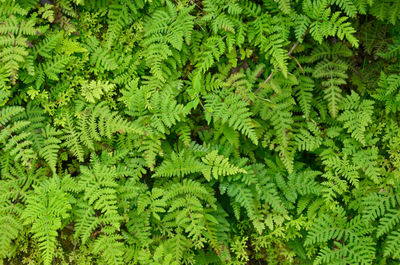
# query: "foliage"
{"type": "Point", "coordinates": [199, 132]}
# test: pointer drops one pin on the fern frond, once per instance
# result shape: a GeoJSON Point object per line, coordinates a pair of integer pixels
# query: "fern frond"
{"type": "Point", "coordinates": [110, 248]}
{"type": "Point", "coordinates": [233, 111]}
{"type": "Point", "coordinates": [304, 94]}
{"type": "Point", "coordinates": [10, 227]}
{"type": "Point", "coordinates": [179, 165]}
{"type": "Point", "coordinates": [50, 148]}
{"type": "Point", "coordinates": [46, 207]}
{"type": "Point", "coordinates": [356, 116]}
{"type": "Point", "coordinates": [334, 75]}
{"type": "Point", "coordinates": [93, 90]}
{"type": "Point", "coordinates": [217, 165]}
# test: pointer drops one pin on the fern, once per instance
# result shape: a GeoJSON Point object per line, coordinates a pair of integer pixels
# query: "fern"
{"type": "Point", "coordinates": [110, 248]}
{"type": "Point", "coordinates": [71, 138]}
{"type": "Point", "coordinates": [348, 6]}
{"type": "Point", "coordinates": [93, 124]}
{"type": "Point", "coordinates": [13, 43]}
{"type": "Point", "coordinates": [271, 38]}
{"type": "Point", "coordinates": [179, 165]}
{"type": "Point", "coordinates": [217, 165]}
{"type": "Point", "coordinates": [51, 147]}
{"type": "Point", "coordinates": [309, 138]}
{"type": "Point", "coordinates": [100, 56]}
{"type": "Point", "coordinates": [92, 91]}
{"type": "Point", "coordinates": [86, 221]}
{"type": "Point", "coordinates": [284, 5]}
{"type": "Point", "coordinates": [304, 94]}
{"type": "Point", "coordinates": [14, 139]}
{"type": "Point", "coordinates": [392, 245]}
{"type": "Point", "coordinates": [99, 188]}
{"type": "Point", "coordinates": [166, 112]}
{"type": "Point", "coordinates": [52, 69]}
{"type": "Point", "coordinates": [10, 229]}
{"type": "Point", "coordinates": [386, 92]}
{"type": "Point", "coordinates": [281, 120]}
{"type": "Point", "coordinates": [301, 23]}
{"type": "Point", "coordinates": [386, 11]}
{"type": "Point", "coordinates": [232, 111]}
{"type": "Point", "coordinates": [199, 132]}
{"type": "Point", "coordinates": [334, 75]}
{"type": "Point", "coordinates": [244, 197]}
{"type": "Point", "coordinates": [354, 233]}
{"type": "Point", "coordinates": [47, 206]}
{"type": "Point", "coordinates": [356, 116]}
{"type": "Point", "coordinates": [48, 45]}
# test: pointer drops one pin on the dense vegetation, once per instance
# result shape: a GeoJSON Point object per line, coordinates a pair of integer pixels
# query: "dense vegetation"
{"type": "Point", "coordinates": [199, 132]}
